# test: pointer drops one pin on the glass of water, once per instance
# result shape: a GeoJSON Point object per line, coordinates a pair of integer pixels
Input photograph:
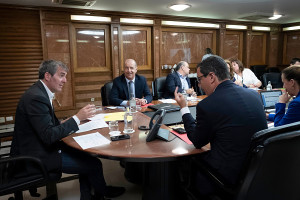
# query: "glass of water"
{"type": "Point", "coordinates": [113, 128]}
{"type": "Point", "coordinates": [128, 122]}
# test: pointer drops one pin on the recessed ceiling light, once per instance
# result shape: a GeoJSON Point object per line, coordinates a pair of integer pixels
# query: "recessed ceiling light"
{"type": "Point", "coordinates": [179, 7]}
{"type": "Point", "coordinates": [275, 17]}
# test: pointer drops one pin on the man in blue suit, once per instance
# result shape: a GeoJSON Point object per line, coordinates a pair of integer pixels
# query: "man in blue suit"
{"type": "Point", "coordinates": [119, 94]}
{"type": "Point", "coordinates": [178, 79]}
{"type": "Point", "coordinates": [226, 119]}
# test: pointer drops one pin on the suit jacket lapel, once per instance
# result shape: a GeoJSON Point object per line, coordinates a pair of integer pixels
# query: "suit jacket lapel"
{"type": "Point", "coordinates": [125, 87]}
{"type": "Point", "coordinates": [43, 90]}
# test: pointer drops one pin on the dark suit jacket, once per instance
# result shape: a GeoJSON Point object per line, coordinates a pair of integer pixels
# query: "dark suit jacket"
{"type": "Point", "coordinates": [119, 91]}
{"type": "Point", "coordinates": [37, 131]}
{"type": "Point", "coordinates": [172, 81]}
{"type": "Point", "coordinates": [226, 119]}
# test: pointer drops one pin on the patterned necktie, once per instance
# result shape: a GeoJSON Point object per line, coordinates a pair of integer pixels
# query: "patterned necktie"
{"type": "Point", "coordinates": [131, 90]}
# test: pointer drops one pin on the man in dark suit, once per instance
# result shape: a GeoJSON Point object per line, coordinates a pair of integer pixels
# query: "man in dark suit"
{"type": "Point", "coordinates": [119, 94]}
{"type": "Point", "coordinates": [226, 119]}
{"type": "Point", "coordinates": [38, 133]}
{"type": "Point", "coordinates": [179, 79]}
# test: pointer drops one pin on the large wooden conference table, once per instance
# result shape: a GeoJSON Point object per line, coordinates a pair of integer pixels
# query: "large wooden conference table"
{"type": "Point", "coordinates": [159, 157]}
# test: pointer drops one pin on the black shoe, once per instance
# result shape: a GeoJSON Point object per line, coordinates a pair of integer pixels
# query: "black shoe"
{"type": "Point", "coordinates": [113, 191]}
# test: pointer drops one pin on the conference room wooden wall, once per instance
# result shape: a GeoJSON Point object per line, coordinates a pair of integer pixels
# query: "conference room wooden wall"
{"type": "Point", "coordinates": [29, 35]}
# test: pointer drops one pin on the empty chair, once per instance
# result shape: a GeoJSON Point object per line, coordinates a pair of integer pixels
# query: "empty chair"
{"type": "Point", "coordinates": [275, 79]}
{"type": "Point", "coordinates": [105, 91]}
{"type": "Point", "coordinates": [258, 70]}
{"type": "Point", "coordinates": [12, 180]}
{"type": "Point", "coordinates": [158, 87]}
{"type": "Point", "coordinates": [273, 69]}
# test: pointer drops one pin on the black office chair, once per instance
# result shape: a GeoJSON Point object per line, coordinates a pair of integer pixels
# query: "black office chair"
{"type": "Point", "coordinates": [158, 87]}
{"type": "Point", "coordinates": [275, 79]}
{"type": "Point", "coordinates": [258, 70]}
{"type": "Point", "coordinates": [105, 91]}
{"type": "Point", "coordinates": [271, 169]}
{"type": "Point", "coordinates": [273, 70]}
{"type": "Point", "coordinates": [13, 181]}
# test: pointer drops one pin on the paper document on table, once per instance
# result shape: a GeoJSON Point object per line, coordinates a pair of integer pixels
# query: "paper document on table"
{"type": "Point", "coordinates": [97, 117]}
{"type": "Point", "coordinates": [95, 124]}
{"type": "Point", "coordinates": [116, 116]}
{"type": "Point", "coordinates": [167, 100]}
{"type": "Point", "coordinates": [91, 140]}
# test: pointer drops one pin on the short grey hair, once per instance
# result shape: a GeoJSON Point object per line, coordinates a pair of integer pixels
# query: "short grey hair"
{"type": "Point", "coordinates": [51, 66]}
{"type": "Point", "coordinates": [178, 66]}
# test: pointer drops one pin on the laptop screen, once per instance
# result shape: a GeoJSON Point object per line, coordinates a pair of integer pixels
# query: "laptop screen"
{"type": "Point", "coordinates": [270, 98]}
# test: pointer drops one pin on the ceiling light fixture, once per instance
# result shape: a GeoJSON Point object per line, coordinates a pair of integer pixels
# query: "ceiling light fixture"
{"type": "Point", "coordinates": [179, 7]}
{"type": "Point", "coordinates": [275, 17]}
{"type": "Point", "coordinates": [190, 24]}
{"type": "Point", "coordinates": [240, 27]}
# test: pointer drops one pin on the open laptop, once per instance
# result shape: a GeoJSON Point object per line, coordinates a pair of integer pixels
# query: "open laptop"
{"type": "Point", "coordinates": [167, 106]}
{"type": "Point", "coordinates": [269, 99]}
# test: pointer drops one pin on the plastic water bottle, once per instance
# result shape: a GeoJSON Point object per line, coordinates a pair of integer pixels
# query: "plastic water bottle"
{"type": "Point", "coordinates": [132, 103]}
{"type": "Point", "coordinates": [269, 86]}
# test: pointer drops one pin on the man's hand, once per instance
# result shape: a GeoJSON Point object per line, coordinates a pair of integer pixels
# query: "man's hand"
{"type": "Point", "coordinates": [86, 112]}
{"type": "Point", "coordinates": [285, 97]}
{"type": "Point", "coordinates": [190, 91]}
{"type": "Point", "coordinates": [141, 102]}
{"type": "Point", "coordinates": [179, 98]}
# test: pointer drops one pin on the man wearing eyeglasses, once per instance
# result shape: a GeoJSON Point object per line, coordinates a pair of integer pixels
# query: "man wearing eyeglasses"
{"type": "Point", "coordinates": [179, 79]}
{"type": "Point", "coordinates": [226, 119]}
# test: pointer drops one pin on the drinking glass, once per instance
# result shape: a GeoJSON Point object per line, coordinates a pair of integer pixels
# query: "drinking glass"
{"type": "Point", "coordinates": [128, 122]}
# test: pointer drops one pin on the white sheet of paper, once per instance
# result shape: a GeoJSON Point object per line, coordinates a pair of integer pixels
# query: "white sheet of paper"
{"type": "Point", "coordinates": [91, 140]}
{"type": "Point", "coordinates": [97, 117]}
{"type": "Point", "coordinates": [167, 100]}
{"type": "Point", "coordinates": [95, 124]}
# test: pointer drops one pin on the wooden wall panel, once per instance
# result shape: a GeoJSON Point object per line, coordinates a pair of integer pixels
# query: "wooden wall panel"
{"type": "Point", "coordinates": [185, 44]}
{"type": "Point", "coordinates": [87, 87]}
{"type": "Point", "coordinates": [233, 45]}
{"type": "Point", "coordinates": [272, 51]}
{"type": "Point", "coordinates": [20, 55]}
{"type": "Point", "coordinates": [291, 46]}
{"type": "Point", "coordinates": [258, 48]}
{"type": "Point", "coordinates": [136, 44]}
{"type": "Point", "coordinates": [57, 47]}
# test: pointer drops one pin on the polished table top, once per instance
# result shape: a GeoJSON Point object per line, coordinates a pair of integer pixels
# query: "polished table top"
{"type": "Point", "coordinates": [136, 149]}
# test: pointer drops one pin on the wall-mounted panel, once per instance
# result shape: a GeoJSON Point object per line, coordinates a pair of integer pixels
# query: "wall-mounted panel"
{"type": "Point", "coordinates": [258, 48]}
{"type": "Point", "coordinates": [136, 44]}
{"type": "Point", "coordinates": [185, 44]}
{"type": "Point", "coordinates": [91, 48]}
{"type": "Point", "coordinates": [291, 46]}
{"type": "Point", "coordinates": [57, 47]}
{"type": "Point", "coordinates": [233, 45]}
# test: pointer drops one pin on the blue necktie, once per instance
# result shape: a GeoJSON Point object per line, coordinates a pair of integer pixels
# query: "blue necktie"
{"type": "Point", "coordinates": [131, 90]}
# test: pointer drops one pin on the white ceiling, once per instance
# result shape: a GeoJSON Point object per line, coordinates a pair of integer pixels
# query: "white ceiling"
{"type": "Point", "coordinates": [215, 9]}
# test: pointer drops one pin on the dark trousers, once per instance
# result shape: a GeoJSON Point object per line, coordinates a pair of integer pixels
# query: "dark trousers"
{"type": "Point", "coordinates": [89, 169]}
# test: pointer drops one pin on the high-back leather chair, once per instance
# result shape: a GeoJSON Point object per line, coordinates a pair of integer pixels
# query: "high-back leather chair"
{"type": "Point", "coordinates": [258, 70]}
{"type": "Point", "coordinates": [105, 91]}
{"type": "Point", "coordinates": [271, 168]}
{"type": "Point", "coordinates": [13, 181]}
{"type": "Point", "coordinates": [158, 87]}
{"type": "Point", "coordinates": [275, 79]}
